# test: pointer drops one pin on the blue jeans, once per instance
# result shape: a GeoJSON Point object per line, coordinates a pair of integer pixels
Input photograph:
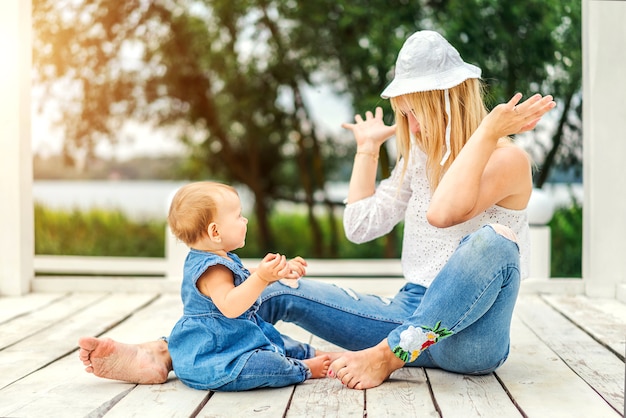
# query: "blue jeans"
{"type": "Point", "coordinates": [272, 369]}
{"type": "Point", "coordinates": [470, 303]}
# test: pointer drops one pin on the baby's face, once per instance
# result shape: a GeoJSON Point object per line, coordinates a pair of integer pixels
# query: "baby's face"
{"type": "Point", "coordinates": [233, 226]}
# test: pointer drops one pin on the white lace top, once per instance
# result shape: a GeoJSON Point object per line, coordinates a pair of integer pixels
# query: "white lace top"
{"type": "Point", "coordinates": [425, 248]}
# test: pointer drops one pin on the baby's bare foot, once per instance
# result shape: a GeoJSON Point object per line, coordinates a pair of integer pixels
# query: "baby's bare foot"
{"type": "Point", "coordinates": [318, 366]}
{"type": "Point", "coordinates": [146, 363]}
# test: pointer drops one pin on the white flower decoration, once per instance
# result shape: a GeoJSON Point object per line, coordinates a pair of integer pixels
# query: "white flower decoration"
{"type": "Point", "coordinates": [411, 339]}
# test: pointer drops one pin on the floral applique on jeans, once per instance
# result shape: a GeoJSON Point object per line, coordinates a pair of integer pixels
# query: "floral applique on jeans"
{"type": "Point", "coordinates": [415, 340]}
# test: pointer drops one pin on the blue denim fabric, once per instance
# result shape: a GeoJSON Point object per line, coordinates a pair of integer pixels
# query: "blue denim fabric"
{"type": "Point", "coordinates": [211, 351]}
{"type": "Point", "coordinates": [267, 369]}
{"type": "Point", "coordinates": [472, 297]}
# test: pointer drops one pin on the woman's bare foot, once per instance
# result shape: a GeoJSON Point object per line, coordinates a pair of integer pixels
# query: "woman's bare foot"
{"type": "Point", "coordinates": [145, 363]}
{"type": "Point", "coordinates": [366, 368]}
{"type": "Point", "coordinates": [318, 366]}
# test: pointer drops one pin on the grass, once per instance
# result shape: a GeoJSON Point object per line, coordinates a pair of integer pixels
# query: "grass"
{"type": "Point", "coordinates": [111, 233]}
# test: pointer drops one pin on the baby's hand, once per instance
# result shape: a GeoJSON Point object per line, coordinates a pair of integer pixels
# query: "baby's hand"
{"type": "Point", "coordinates": [273, 267]}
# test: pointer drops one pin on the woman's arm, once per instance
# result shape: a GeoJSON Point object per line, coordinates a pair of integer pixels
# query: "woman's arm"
{"type": "Point", "coordinates": [369, 135]}
{"type": "Point", "coordinates": [374, 216]}
{"type": "Point", "coordinates": [484, 174]}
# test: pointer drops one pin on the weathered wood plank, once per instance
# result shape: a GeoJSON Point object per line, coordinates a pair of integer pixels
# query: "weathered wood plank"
{"type": "Point", "coordinates": [263, 403]}
{"type": "Point", "coordinates": [172, 399]}
{"type": "Point", "coordinates": [405, 394]}
{"type": "Point", "coordinates": [542, 384]}
{"type": "Point", "coordinates": [538, 375]}
{"type": "Point", "coordinates": [46, 316]}
{"type": "Point", "coordinates": [60, 339]}
{"type": "Point", "coordinates": [604, 319]}
{"type": "Point", "coordinates": [462, 395]}
{"type": "Point", "coordinates": [599, 367]}
{"type": "Point", "coordinates": [14, 306]}
{"type": "Point", "coordinates": [153, 321]}
{"type": "Point", "coordinates": [326, 398]}
{"type": "Point", "coordinates": [63, 389]}
{"type": "Point", "coordinates": [322, 397]}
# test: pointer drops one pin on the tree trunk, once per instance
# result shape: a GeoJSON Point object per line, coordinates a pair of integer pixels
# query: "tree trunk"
{"type": "Point", "coordinates": [264, 238]}
{"type": "Point", "coordinates": [557, 138]}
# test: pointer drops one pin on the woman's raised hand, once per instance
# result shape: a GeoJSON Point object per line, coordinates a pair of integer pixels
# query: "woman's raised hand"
{"type": "Point", "coordinates": [515, 117]}
{"type": "Point", "coordinates": [372, 132]}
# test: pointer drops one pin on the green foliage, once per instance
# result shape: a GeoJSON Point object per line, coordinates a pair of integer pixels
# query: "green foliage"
{"type": "Point", "coordinates": [566, 228]}
{"type": "Point", "coordinates": [111, 233]}
{"type": "Point", "coordinates": [96, 233]}
{"type": "Point", "coordinates": [293, 237]}
{"type": "Point", "coordinates": [231, 75]}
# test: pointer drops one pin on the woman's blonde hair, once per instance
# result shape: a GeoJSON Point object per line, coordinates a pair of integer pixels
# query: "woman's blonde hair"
{"type": "Point", "coordinates": [467, 110]}
{"type": "Point", "coordinates": [194, 207]}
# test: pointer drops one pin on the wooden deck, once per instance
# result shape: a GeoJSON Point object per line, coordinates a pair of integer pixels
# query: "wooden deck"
{"type": "Point", "coordinates": [567, 360]}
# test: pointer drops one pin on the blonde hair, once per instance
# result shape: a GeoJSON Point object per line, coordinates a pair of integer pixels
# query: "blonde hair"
{"type": "Point", "coordinates": [194, 207]}
{"type": "Point", "coordinates": [467, 110]}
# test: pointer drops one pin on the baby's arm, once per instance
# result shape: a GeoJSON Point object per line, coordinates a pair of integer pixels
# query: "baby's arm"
{"type": "Point", "coordinates": [218, 284]}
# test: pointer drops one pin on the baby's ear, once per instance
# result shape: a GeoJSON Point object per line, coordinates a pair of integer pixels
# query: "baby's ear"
{"type": "Point", "coordinates": [213, 232]}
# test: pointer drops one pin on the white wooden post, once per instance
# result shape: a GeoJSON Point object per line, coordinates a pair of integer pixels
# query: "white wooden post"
{"type": "Point", "coordinates": [175, 250]}
{"type": "Point", "coordinates": [175, 254]}
{"type": "Point", "coordinates": [16, 175]}
{"type": "Point", "coordinates": [540, 212]}
{"type": "Point", "coordinates": [604, 142]}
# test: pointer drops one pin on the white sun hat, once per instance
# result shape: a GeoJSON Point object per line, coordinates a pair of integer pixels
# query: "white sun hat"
{"type": "Point", "coordinates": [427, 62]}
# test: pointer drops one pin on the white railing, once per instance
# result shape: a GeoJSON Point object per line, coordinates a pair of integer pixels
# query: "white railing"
{"type": "Point", "coordinates": [540, 212]}
{"type": "Point", "coordinates": [80, 273]}
{"type": "Point", "coordinates": [170, 267]}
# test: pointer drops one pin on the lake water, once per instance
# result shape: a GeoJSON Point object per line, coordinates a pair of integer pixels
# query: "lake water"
{"type": "Point", "coordinates": [139, 199]}
{"type": "Point", "coordinates": [150, 199]}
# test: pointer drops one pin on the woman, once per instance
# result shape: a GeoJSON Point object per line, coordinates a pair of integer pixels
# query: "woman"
{"type": "Point", "coordinates": [460, 186]}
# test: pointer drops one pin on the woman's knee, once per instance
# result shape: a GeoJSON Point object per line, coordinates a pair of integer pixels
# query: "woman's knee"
{"type": "Point", "coordinates": [477, 357]}
{"type": "Point", "coordinates": [487, 242]}
{"type": "Point", "coordinates": [505, 231]}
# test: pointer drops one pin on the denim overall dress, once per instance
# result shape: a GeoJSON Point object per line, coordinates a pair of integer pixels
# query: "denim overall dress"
{"type": "Point", "coordinates": [211, 351]}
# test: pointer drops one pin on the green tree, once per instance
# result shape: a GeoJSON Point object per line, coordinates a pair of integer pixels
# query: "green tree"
{"type": "Point", "coordinates": [229, 75]}
{"type": "Point", "coordinates": [529, 46]}
{"type": "Point", "coordinates": [221, 72]}
{"type": "Point", "coordinates": [354, 44]}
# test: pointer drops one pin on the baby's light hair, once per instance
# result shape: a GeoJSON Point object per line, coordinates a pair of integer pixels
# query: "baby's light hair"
{"type": "Point", "coordinates": [194, 207]}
